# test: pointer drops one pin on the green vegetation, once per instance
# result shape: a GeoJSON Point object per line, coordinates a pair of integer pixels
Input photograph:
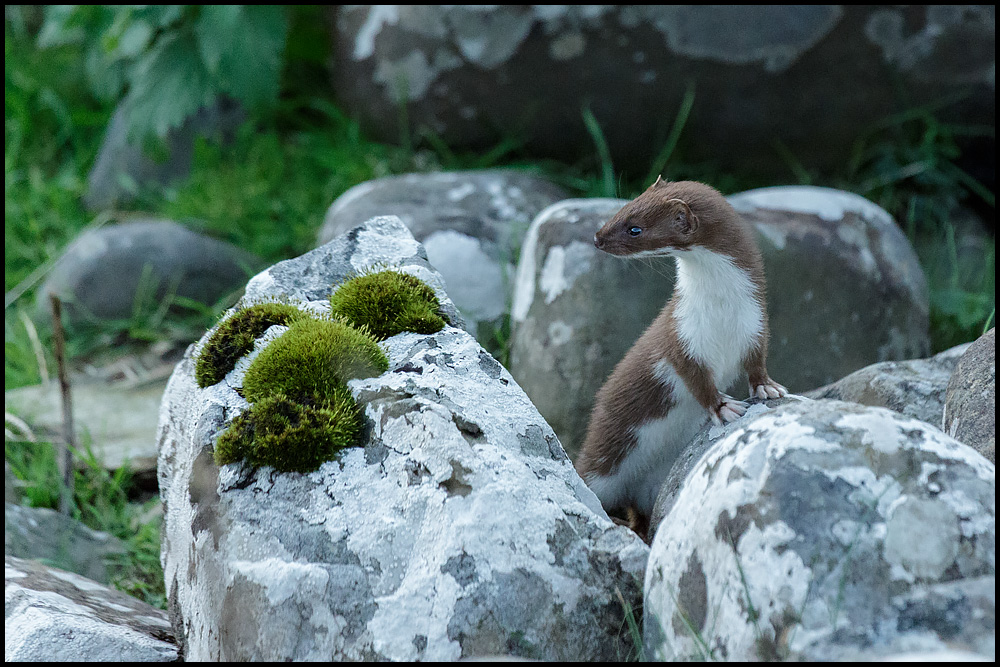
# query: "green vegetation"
{"type": "Point", "coordinates": [235, 336]}
{"type": "Point", "coordinates": [292, 435]}
{"type": "Point", "coordinates": [388, 302]}
{"type": "Point", "coordinates": [102, 500]}
{"type": "Point", "coordinates": [314, 356]}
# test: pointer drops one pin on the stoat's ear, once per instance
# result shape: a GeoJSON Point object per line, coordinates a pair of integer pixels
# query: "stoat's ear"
{"type": "Point", "coordinates": [680, 216]}
{"type": "Point", "coordinates": [659, 182]}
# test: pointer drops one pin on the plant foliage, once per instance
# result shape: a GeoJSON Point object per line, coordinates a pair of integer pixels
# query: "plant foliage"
{"type": "Point", "coordinates": [171, 60]}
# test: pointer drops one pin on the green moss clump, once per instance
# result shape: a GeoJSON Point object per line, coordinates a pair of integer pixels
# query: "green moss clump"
{"type": "Point", "coordinates": [314, 357]}
{"type": "Point", "coordinates": [387, 303]}
{"type": "Point", "coordinates": [292, 435]}
{"type": "Point", "coordinates": [235, 336]}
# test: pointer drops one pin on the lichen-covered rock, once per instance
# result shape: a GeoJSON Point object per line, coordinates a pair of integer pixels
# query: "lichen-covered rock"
{"type": "Point", "coordinates": [692, 453]}
{"type": "Point", "coordinates": [471, 225]}
{"type": "Point", "coordinates": [43, 534]}
{"type": "Point", "coordinates": [971, 400]}
{"type": "Point", "coordinates": [915, 388]}
{"type": "Point", "coordinates": [107, 271]}
{"type": "Point", "coordinates": [763, 75]}
{"type": "Point", "coordinates": [57, 616]}
{"type": "Point", "coordinates": [844, 290]}
{"type": "Point", "coordinates": [460, 529]}
{"type": "Point", "coordinates": [824, 530]}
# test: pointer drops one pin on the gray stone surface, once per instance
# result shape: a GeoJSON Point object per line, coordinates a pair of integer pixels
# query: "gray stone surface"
{"type": "Point", "coordinates": [825, 530]}
{"type": "Point", "coordinates": [763, 76]}
{"type": "Point", "coordinates": [123, 169]}
{"type": "Point", "coordinates": [471, 225]}
{"type": "Point", "coordinates": [106, 271]}
{"type": "Point", "coordinates": [971, 400]}
{"type": "Point", "coordinates": [915, 388]}
{"type": "Point", "coordinates": [844, 290]}
{"type": "Point", "coordinates": [460, 529]}
{"type": "Point", "coordinates": [52, 615]}
{"type": "Point", "coordinates": [692, 453]}
{"type": "Point", "coordinates": [844, 286]}
{"type": "Point", "coordinates": [46, 535]}
{"type": "Point", "coordinates": [119, 423]}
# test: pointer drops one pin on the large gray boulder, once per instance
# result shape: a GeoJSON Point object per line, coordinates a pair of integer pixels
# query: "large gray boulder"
{"type": "Point", "coordinates": [56, 616]}
{"type": "Point", "coordinates": [915, 387]}
{"type": "Point", "coordinates": [107, 272]}
{"type": "Point", "coordinates": [824, 530]}
{"type": "Point", "coordinates": [844, 290]}
{"type": "Point", "coordinates": [459, 529]}
{"type": "Point", "coordinates": [844, 286]}
{"type": "Point", "coordinates": [971, 400]}
{"type": "Point", "coordinates": [767, 80]}
{"type": "Point", "coordinates": [471, 225]}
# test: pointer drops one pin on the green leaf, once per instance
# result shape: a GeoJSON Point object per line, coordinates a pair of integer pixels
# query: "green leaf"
{"type": "Point", "coordinates": [241, 47]}
{"type": "Point", "coordinates": [169, 83]}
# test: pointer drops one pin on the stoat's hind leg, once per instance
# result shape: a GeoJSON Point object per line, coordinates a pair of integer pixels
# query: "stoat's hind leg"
{"type": "Point", "coordinates": [767, 389]}
{"type": "Point", "coordinates": [639, 523]}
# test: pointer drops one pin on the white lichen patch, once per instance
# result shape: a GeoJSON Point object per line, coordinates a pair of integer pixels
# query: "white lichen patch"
{"type": "Point", "coordinates": [567, 211]}
{"type": "Point", "coordinates": [827, 203]}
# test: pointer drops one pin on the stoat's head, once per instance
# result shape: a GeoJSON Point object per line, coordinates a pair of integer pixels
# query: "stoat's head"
{"type": "Point", "coordinates": [664, 218]}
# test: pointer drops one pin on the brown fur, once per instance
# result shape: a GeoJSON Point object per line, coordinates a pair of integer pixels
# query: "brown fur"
{"type": "Point", "coordinates": [679, 216]}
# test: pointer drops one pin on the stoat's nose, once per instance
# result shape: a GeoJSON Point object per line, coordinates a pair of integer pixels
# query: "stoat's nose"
{"type": "Point", "coordinates": [598, 241]}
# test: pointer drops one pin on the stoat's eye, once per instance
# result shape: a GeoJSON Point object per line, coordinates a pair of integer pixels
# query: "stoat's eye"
{"type": "Point", "coordinates": [634, 231]}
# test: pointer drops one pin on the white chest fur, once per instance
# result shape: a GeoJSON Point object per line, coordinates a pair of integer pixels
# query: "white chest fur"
{"type": "Point", "coordinates": [717, 312]}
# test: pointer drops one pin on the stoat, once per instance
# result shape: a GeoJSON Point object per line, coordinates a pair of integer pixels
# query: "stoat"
{"type": "Point", "coordinates": [672, 380]}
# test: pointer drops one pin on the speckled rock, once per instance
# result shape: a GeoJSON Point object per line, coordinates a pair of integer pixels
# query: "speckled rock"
{"type": "Point", "coordinates": [844, 290]}
{"type": "Point", "coordinates": [692, 453]}
{"type": "Point", "coordinates": [971, 400]}
{"type": "Point", "coordinates": [763, 76]}
{"type": "Point", "coordinates": [122, 168]}
{"type": "Point", "coordinates": [915, 388]}
{"type": "Point", "coordinates": [405, 548]}
{"type": "Point", "coordinates": [824, 530]}
{"type": "Point", "coordinates": [106, 271]}
{"type": "Point", "coordinates": [52, 615]}
{"type": "Point", "coordinates": [43, 534]}
{"type": "Point", "coordinates": [471, 225]}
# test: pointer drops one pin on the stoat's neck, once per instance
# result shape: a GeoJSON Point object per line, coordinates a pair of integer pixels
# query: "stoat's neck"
{"type": "Point", "coordinates": [718, 311]}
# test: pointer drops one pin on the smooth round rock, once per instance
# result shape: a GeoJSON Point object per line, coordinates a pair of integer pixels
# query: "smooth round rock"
{"type": "Point", "coordinates": [825, 530]}
{"type": "Point", "coordinates": [106, 271]}
{"type": "Point", "coordinates": [470, 223]}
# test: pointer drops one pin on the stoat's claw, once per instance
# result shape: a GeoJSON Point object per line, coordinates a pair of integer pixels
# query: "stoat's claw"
{"type": "Point", "coordinates": [768, 390]}
{"type": "Point", "coordinates": [729, 410]}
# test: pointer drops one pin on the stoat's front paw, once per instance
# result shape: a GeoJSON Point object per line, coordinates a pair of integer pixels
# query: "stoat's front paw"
{"type": "Point", "coordinates": [729, 410]}
{"type": "Point", "coordinates": [768, 389]}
